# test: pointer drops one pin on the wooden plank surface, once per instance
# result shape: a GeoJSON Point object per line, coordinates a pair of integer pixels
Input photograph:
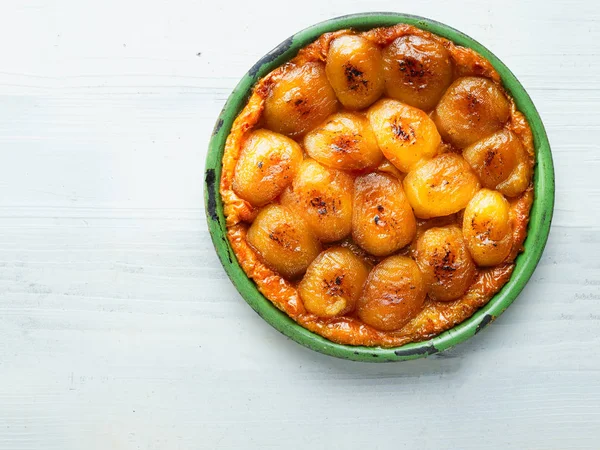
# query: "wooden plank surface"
{"type": "Point", "coordinates": [120, 330]}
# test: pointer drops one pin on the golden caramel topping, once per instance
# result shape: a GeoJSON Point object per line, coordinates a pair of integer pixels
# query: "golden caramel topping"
{"type": "Point", "coordinates": [345, 141]}
{"type": "Point", "coordinates": [323, 198]}
{"type": "Point", "coordinates": [382, 221]}
{"type": "Point", "coordinates": [441, 186]}
{"type": "Point", "coordinates": [268, 163]}
{"type": "Point", "coordinates": [300, 100]}
{"type": "Point", "coordinates": [283, 240]}
{"type": "Point", "coordinates": [495, 157]}
{"type": "Point", "coordinates": [487, 228]}
{"type": "Point", "coordinates": [471, 109]}
{"type": "Point", "coordinates": [333, 282]}
{"type": "Point", "coordinates": [394, 293]}
{"type": "Point", "coordinates": [445, 262]}
{"type": "Point", "coordinates": [354, 69]}
{"type": "Point", "coordinates": [406, 135]}
{"type": "Point", "coordinates": [417, 71]}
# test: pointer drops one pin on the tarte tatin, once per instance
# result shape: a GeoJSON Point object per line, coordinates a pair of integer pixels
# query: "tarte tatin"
{"type": "Point", "coordinates": [377, 187]}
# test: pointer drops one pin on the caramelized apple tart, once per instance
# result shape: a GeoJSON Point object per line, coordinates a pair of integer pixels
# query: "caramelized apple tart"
{"type": "Point", "coordinates": [377, 187]}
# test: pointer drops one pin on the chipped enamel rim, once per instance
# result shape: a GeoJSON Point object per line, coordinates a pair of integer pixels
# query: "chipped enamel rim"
{"type": "Point", "coordinates": [526, 262]}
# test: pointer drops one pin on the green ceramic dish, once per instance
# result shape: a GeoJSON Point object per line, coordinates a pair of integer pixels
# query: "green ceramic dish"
{"type": "Point", "coordinates": [540, 218]}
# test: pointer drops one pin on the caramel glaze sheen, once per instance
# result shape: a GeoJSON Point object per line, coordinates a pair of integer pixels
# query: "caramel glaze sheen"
{"type": "Point", "coordinates": [435, 316]}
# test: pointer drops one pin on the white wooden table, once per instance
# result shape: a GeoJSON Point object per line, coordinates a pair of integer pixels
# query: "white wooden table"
{"type": "Point", "coordinates": [118, 326]}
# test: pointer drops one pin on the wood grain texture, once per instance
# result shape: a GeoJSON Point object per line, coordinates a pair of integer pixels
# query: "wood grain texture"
{"type": "Point", "coordinates": [120, 330]}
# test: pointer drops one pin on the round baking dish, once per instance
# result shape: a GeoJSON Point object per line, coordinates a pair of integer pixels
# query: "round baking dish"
{"type": "Point", "coordinates": [540, 216]}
